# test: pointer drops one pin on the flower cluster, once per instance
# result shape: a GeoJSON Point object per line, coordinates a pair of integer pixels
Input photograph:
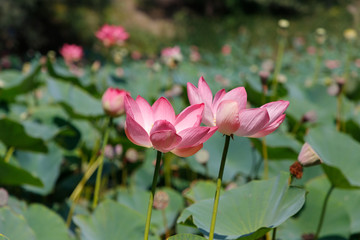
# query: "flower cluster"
{"type": "Point", "coordinates": [112, 35]}
{"type": "Point", "coordinates": [157, 126]}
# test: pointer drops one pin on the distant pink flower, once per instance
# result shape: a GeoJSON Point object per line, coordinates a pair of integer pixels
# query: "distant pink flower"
{"type": "Point", "coordinates": [171, 56]}
{"type": "Point", "coordinates": [111, 35]}
{"type": "Point", "coordinates": [226, 50]}
{"type": "Point", "coordinates": [357, 62]}
{"type": "Point", "coordinates": [157, 126]}
{"type": "Point", "coordinates": [71, 53]}
{"type": "Point", "coordinates": [332, 64]}
{"type": "Point", "coordinates": [113, 101]}
{"type": "Point", "coordinates": [299, 41]}
{"type": "Point", "coordinates": [228, 111]}
{"type": "Point", "coordinates": [136, 55]}
{"type": "Point", "coordinates": [194, 54]}
{"type": "Point", "coordinates": [311, 50]}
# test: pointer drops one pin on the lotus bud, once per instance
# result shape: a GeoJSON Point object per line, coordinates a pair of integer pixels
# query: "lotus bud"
{"type": "Point", "coordinates": [95, 66]}
{"type": "Point", "coordinates": [320, 35]}
{"type": "Point", "coordinates": [131, 155]}
{"type": "Point", "coordinates": [226, 50]}
{"type": "Point", "coordinates": [109, 151]}
{"type": "Point", "coordinates": [350, 34]}
{"type": "Point", "coordinates": [202, 156]}
{"type": "Point", "coordinates": [264, 77]}
{"type": "Point", "coordinates": [118, 150]}
{"type": "Point", "coordinates": [4, 197]}
{"type": "Point", "coordinates": [161, 200]}
{"type": "Point", "coordinates": [340, 81]}
{"type": "Point", "coordinates": [308, 156]}
{"type": "Point", "coordinates": [310, 116]}
{"type": "Point", "coordinates": [283, 23]}
{"type": "Point", "coordinates": [113, 101]}
{"type": "Point", "coordinates": [282, 78]}
{"type": "Point", "coordinates": [333, 90]}
{"type": "Point", "coordinates": [230, 186]}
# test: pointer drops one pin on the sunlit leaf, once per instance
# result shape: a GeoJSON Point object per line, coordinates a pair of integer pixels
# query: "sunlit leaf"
{"type": "Point", "coordinates": [249, 211]}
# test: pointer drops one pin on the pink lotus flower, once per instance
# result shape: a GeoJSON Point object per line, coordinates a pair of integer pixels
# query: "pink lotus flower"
{"type": "Point", "coordinates": [171, 56]}
{"type": "Point", "coordinates": [111, 35]}
{"type": "Point", "coordinates": [157, 126]}
{"type": "Point", "coordinates": [113, 101]}
{"type": "Point", "coordinates": [228, 111]}
{"type": "Point", "coordinates": [226, 50]}
{"type": "Point", "coordinates": [332, 64]}
{"type": "Point", "coordinates": [71, 53]}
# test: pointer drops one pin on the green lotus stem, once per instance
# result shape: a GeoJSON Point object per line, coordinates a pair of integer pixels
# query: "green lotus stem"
{"type": "Point", "coordinates": [266, 158]}
{"type": "Point", "coordinates": [278, 64]}
{"type": "Point", "coordinates": [167, 233]}
{"type": "Point", "coordinates": [338, 112]}
{"type": "Point", "coordinates": [317, 66]}
{"type": "Point", "coordinates": [9, 153]}
{"type": "Point", "coordinates": [218, 187]}
{"type": "Point", "coordinates": [74, 197]}
{"type": "Point", "coordinates": [152, 194]}
{"type": "Point", "coordinates": [343, 89]}
{"type": "Point", "coordinates": [274, 234]}
{"type": "Point", "coordinates": [323, 210]}
{"type": "Point", "coordinates": [124, 172]}
{"type": "Point", "coordinates": [347, 65]}
{"type": "Point", "coordinates": [167, 170]}
{"type": "Point", "coordinates": [101, 164]}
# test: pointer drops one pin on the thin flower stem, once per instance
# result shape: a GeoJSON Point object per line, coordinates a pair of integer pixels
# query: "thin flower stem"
{"type": "Point", "coordinates": [323, 210]}
{"type": "Point", "coordinates": [167, 170]}
{"type": "Point", "coordinates": [74, 197]}
{"type": "Point", "coordinates": [266, 158]}
{"type": "Point", "coordinates": [274, 234]}
{"type": "Point", "coordinates": [8, 155]}
{"type": "Point", "coordinates": [338, 111]}
{"type": "Point", "coordinates": [124, 172]}
{"type": "Point", "coordinates": [278, 64]}
{"type": "Point", "coordinates": [218, 187]}
{"type": "Point", "coordinates": [99, 171]}
{"type": "Point", "coordinates": [317, 66]}
{"type": "Point", "coordinates": [167, 233]}
{"type": "Point", "coordinates": [152, 194]}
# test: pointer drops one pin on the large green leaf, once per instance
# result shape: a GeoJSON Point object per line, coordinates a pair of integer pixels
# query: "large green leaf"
{"type": "Point", "coordinates": [186, 236]}
{"type": "Point", "coordinates": [336, 221]}
{"type": "Point", "coordinates": [79, 101]}
{"type": "Point", "coordinates": [13, 134]}
{"type": "Point", "coordinates": [340, 153]}
{"type": "Point", "coordinates": [44, 166]}
{"type": "Point", "coordinates": [61, 73]}
{"type": "Point", "coordinates": [248, 212]}
{"type": "Point", "coordinates": [13, 175]}
{"type": "Point", "coordinates": [45, 223]}
{"type": "Point", "coordinates": [112, 221]}
{"type": "Point", "coordinates": [350, 200]}
{"type": "Point", "coordinates": [38, 130]}
{"type": "Point", "coordinates": [14, 226]}
{"type": "Point", "coordinates": [16, 83]}
{"type": "Point", "coordinates": [200, 190]}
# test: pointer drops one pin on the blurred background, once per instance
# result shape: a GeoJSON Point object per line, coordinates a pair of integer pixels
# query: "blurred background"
{"type": "Point", "coordinates": [30, 26]}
